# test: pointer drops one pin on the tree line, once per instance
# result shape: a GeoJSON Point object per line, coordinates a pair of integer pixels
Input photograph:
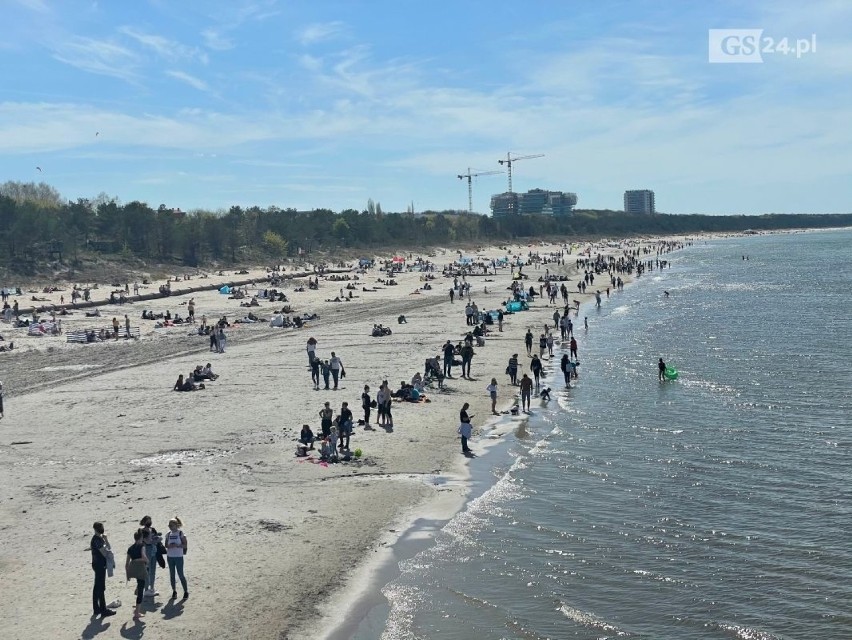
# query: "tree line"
{"type": "Point", "coordinates": [36, 224]}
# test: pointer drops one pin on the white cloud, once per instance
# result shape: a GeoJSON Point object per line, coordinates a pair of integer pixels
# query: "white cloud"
{"type": "Point", "coordinates": [319, 32]}
{"type": "Point", "coordinates": [164, 47]}
{"type": "Point", "coordinates": [192, 81]}
{"type": "Point", "coordinates": [98, 56]}
{"type": "Point", "coordinates": [216, 40]}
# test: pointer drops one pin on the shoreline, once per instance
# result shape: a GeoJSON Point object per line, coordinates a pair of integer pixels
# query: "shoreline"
{"type": "Point", "coordinates": [109, 442]}
{"type": "Point", "coordinates": [368, 612]}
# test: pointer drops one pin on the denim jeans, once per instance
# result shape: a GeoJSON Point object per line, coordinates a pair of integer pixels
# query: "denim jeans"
{"type": "Point", "coordinates": [335, 373]}
{"type": "Point", "coordinates": [176, 564]}
{"type": "Point", "coordinates": [151, 552]}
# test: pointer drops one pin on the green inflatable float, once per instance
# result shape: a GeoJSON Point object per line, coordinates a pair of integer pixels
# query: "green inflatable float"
{"type": "Point", "coordinates": [670, 373]}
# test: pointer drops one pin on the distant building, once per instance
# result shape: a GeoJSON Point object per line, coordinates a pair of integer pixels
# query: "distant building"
{"type": "Point", "coordinates": [504, 204]}
{"type": "Point", "coordinates": [533, 202]}
{"type": "Point", "coordinates": [639, 201]}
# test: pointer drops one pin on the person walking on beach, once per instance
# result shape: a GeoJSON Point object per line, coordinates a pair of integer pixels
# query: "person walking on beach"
{"type": "Point", "coordinates": [152, 540]}
{"type": "Point", "coordinates": [176, 548]}
{"type": "Point", "coordinates": [136, 567]}
{"type": "Point", "coordinates": [126, 326]}
{"type": "Point", "coordinates": [492, 392]}
{"type": "Point", "coordinates": [467, 358]}
{"type": "Point", "coordinates": [528, 341]}
{"type": "Point", "coordinates": [365, 405]}
{"type": "Point", "coordinates": [526, 392]}
{"type": "Point", "coordinates": [565, 367]}
{"type": "Point", "coordinates": [573, 345]}
{"type": "Point", "coordinates": [449, 353]}
{"type": "Point", "coordinates": [315, 373]}
{"type": "Point", "coordinates": [500, 319]}
{"type": "Point", "coordinates": [337, 370]}
{"type": "Point", "coordinates": [311, 349]}
{"type": "Point", "coordinates": [1, 401]}
{"type": "Point", "coordinates": [221, 340]}
{"type": "Point", "coordinates": [115, 327]}
{"type": "Point", "coordinates": [100, 553]}
{"type": "Point", "coordinates": [388, 404]}
{"type": "Point", "coordinates": [190, 310]}
{"type": "Point", "coordinates": [465, 429]}
{"type": "Point", "coordinates": [452, 295]}
{"type": "Point", "coordinates": [662, 367]}
{"type": "Point", "coordinates": [381, 398]}
{"type": "Point", "coordinates": [536, 367]}
{"type": "Point", "coordinates": [325, 369]}
{"type": "Point", "coordinates": [512, 369]}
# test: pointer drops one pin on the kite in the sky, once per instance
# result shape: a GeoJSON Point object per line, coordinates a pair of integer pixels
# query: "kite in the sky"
{"type": "Point", "coordinates": [39, 168]}
{"type": "Point", "coordinates": [97, 133]}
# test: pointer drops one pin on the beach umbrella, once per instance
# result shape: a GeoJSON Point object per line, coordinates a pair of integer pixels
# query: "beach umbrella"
{"type": "Point", "coordinates": [398, 259]}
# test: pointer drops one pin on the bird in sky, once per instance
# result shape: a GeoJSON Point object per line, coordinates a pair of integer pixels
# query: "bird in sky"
{"type": "Point", "coordinates": [39, 169]}
{"type": "Point", "coordinates": [97, 133]}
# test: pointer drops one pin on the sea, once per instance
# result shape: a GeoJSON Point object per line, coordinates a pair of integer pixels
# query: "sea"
{"type": "Point", "coordinates": [717, 505]}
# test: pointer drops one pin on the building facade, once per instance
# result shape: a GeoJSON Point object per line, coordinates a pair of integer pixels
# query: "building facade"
{"type": "Point", "coordinates": [533, 202]}
{"type": "Point", "coordinates": [639, 201]}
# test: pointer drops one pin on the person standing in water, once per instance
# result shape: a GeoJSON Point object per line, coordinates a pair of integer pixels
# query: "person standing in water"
{"type": "Point", "coordinates": [662, 367]}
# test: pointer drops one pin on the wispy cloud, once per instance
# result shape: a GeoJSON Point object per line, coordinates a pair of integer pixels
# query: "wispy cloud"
{"type": "Point", "coordinates": [216, 40]}
{"type": "Point", "coordinates": [98, 56]}
{"type": "Point", "coordinates": [34, 5]}
{"type": "Point", "coordinates": [164, 47]}
{"type": "Point", "coordinates": [191, 80]}
{"type": "Point", "coordinates": [319, 32]}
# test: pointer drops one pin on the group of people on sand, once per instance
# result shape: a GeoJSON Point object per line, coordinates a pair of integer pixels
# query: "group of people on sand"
{"type": "Point", "coordinates": [149, 549]}
{"type": "Point", "coordinates": [196, 378]}
{"type": "Point", "coordinates": [330, 369]}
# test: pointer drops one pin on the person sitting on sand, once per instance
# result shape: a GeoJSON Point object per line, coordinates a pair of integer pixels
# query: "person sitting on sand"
{"type": "Point", "coordinates": [207, 372]}
{"type": "Point", "coordinates": [417, 382]}
{"type": "Point", "coordinates": [186, 385]}
{"type": "Point", "coordinates": [306, 436]}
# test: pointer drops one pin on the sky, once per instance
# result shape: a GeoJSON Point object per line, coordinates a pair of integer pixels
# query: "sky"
{"type": "Point", "coordinates": [330, 103]}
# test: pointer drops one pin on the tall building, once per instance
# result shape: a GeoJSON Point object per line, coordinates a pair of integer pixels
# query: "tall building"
{"type": "Point", "coordinates": [504, 204]}
{"type": "Point", "coordinates": [535, 202]}
{"type": "Point", "coordinates": [639, 201]}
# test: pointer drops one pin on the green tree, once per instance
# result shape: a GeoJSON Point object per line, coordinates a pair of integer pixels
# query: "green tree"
{"type": "Point", "coordinates": [275, 244]}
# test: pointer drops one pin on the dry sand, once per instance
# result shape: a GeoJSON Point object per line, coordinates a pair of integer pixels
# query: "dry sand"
{"type": "Point", "coordinates": [93, 432]}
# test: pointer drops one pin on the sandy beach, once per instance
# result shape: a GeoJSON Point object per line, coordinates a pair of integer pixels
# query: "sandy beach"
{"type": "Point", "coordinates": [279, 545]}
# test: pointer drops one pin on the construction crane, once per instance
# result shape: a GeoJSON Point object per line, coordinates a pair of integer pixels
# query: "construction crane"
{"type": "Point", "coordinates": [509, 160]}
{"type": "Point", "coordinates": [470, 177]}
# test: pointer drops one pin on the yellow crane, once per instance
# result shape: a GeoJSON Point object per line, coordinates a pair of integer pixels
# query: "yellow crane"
{"type": "Point", "coordinates": [510, 160]}
{"type": "Point", "coordinates": [470, 177]}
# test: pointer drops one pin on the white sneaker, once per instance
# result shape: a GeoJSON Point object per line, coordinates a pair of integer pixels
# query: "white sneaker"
{"type": "Point", "coordinates": [150, 593]}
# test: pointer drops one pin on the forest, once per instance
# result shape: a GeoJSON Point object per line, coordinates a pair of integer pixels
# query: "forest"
{"type": "Point", "coordinates": [36, 224]}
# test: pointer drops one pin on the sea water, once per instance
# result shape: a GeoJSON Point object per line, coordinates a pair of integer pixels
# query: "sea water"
{"type": "Point", "coordinates": [714, 506]}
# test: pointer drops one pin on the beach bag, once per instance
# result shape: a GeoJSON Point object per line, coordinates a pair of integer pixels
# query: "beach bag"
{"type": "Point", "coordinates": [138, 569]}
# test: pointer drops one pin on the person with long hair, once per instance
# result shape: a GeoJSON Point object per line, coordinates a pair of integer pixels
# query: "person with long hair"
{"type": "Point", "coordinates": [136, 554]}
{"type": "Point", "coordinates": [176, 548]}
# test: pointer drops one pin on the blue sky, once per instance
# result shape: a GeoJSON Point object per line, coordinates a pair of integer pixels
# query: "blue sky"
{"type": "Point", "coordinates": [207, 104]}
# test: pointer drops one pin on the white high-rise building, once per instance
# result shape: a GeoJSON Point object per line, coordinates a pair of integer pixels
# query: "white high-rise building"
{"type": "Point", "coordinates": [639, 201]}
